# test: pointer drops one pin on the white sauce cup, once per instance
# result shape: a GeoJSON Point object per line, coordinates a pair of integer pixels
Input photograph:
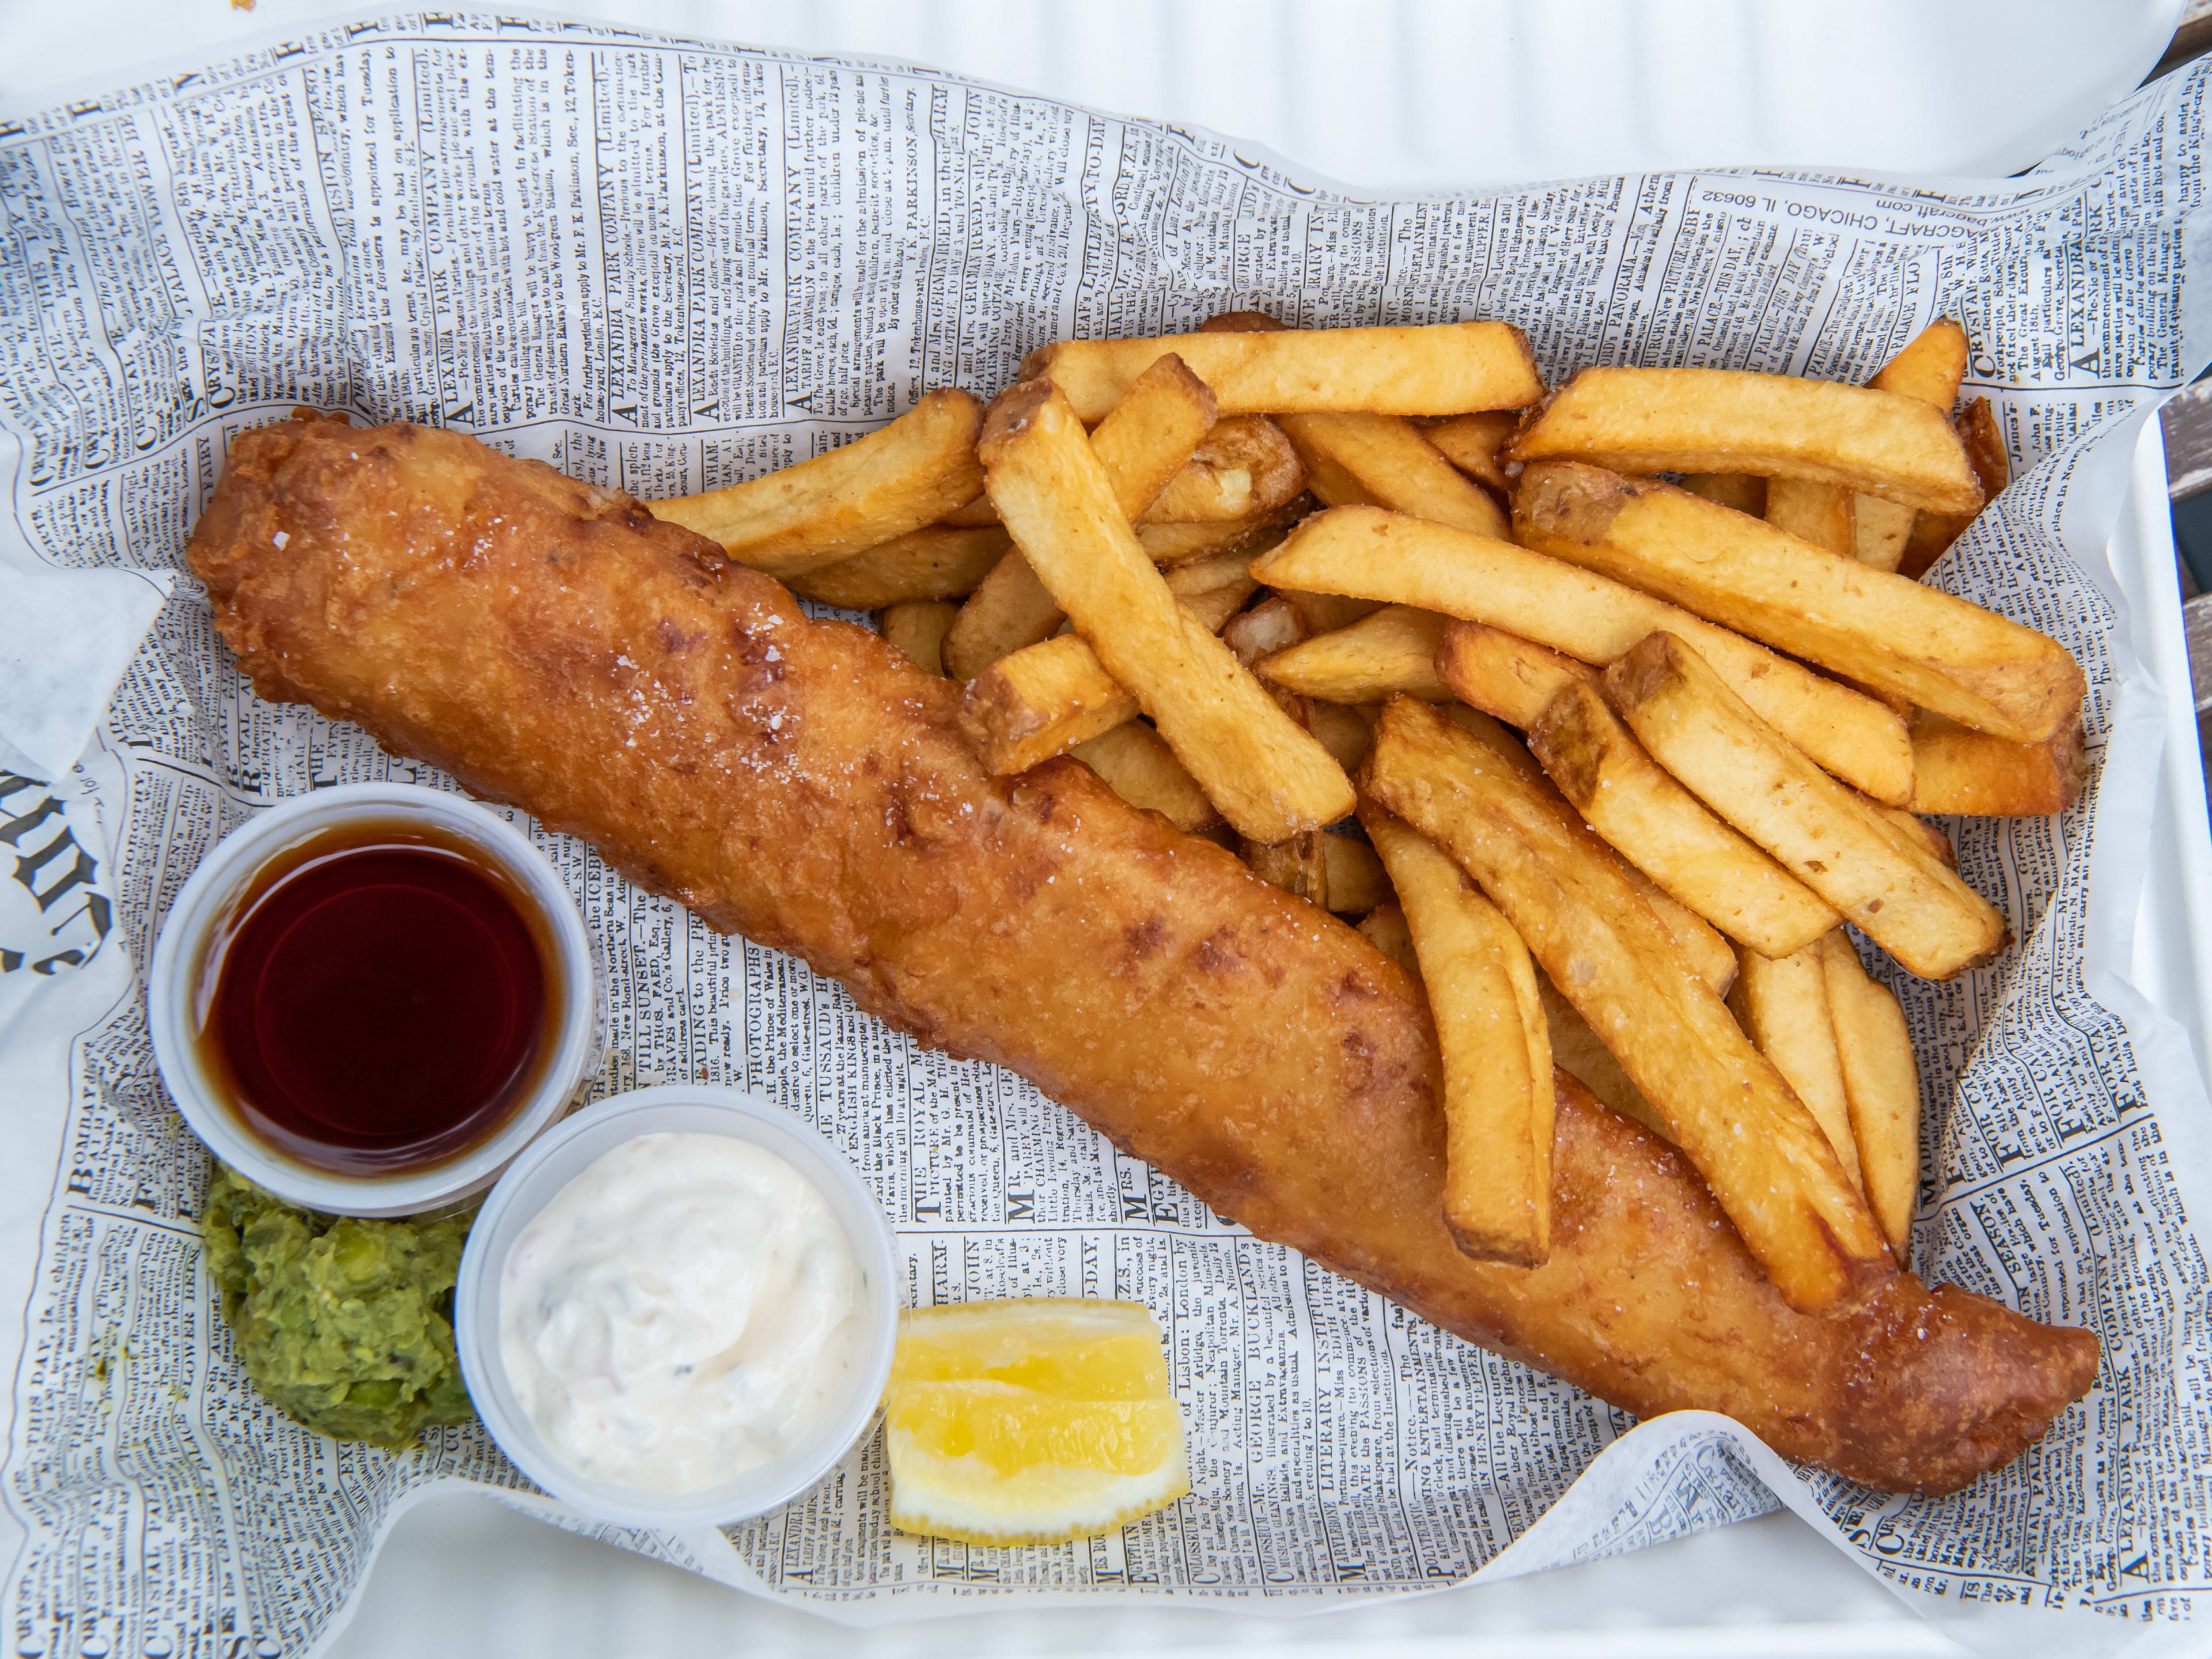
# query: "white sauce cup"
{"type": "Point", "coordinates": [560, 1156]}
{"type": "Point", "coordinates": [574, 1021]}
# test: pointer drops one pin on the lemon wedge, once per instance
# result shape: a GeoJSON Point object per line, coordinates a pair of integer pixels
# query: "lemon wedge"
{"type": "Point", "coordinates": [1030, 1422]}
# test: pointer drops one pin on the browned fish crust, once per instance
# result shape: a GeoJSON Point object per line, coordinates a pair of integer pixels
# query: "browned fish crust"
{"type": "Point", "coordinates": [551, 645]}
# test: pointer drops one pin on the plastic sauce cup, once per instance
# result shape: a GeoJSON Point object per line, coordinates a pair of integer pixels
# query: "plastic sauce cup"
{"type": "Point", "coordinates": [574, 1020]}
{"type": "Point", "coordinates": [565, 1152]}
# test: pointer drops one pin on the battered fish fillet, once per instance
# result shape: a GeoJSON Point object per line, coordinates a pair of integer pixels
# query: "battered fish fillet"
{"type": "Point", "coordinates": [551, 645]}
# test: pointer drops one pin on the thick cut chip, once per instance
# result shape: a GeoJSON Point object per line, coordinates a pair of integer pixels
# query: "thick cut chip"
{"type": "Point", "coordinates": [1375, 555]}
{"type": "Point", "coordinates": [1444, 368]}
{"type": "Point", "coordinates": [917, 627]}
{"type": "Point", "coordinates": [1268, 776]}
{"type": "Point", "coordinates": [1385, 928]}
{"type": "Point", "coordinates": [1904, 639]}
{"type": "Point", "coordinates": [1782, 1003]}
{"type": "Point", "coordinates": [1933, 532]}
{"type": "Point", "coordinates": [1144, 772]}
{"type": "Point", "coordinates": [1930, 366]}
{"type": "Point", "coordinates": [1819, 513]}
{"type": "Point", "coordinates": [1506, 677]}
{"type": "Point", "coordinates": [1042, 701]}
{"type": "Point", "coordinates": [1392, 651]}
{"type": "Point", "coordinates": [1878, 877]}
{"type": "Point", "coordinates": [1342, 730]}
{"type": "Point", "coordinates": [1270, 626]}
{"type": "Point", "coordinates": [1244, 467]}
{"type": "Point", "coordinates": [1725, 420]}
{"type": "Point", "coordinates": [1577, 1051]}
{"type": "Point", "coordinates": [1349, 879]}
{"type": "Point", "coordinates": [1324, 613]}
{"type": "Point", "coordinates": [1759, 1149]}
{"type": "Point", "coordinates": [1739, 491]}
{"type": "Point", "coordinates": [1666, 832]}
{"type": "Point", "coordinates": [1883, 1083]}
{"type": "Point", "coordinates": [1010, 609]}
{"type": "Point", "coordinates": [1958, 771]}
{"type": "Point", "coordinates": [927, 564]}
{"type": "Point", "coordinates": [1382, 460]}
{"type": "Point", "coordinates": [1029, 1422]}
{"type": "Point", "coordinates": [1498, 1099]}
{"type": "Point", "coordinates": [1473, 442]}
{"type": "Point", "coordinates": [896, 480]}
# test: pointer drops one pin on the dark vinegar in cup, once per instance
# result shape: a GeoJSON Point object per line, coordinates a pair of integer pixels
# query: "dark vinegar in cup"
{"type": "Point", "coordinates": [378, 1000]}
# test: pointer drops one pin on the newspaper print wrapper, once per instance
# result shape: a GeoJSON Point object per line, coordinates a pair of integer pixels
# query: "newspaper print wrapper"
{"type": "Point", "coordinates": [672, 265]}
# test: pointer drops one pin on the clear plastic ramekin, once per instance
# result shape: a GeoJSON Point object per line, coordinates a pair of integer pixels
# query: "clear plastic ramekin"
{"type": "Point", "coordinates": [558, 1158]}
{"type": "Point", "coordinates": [176, 985]}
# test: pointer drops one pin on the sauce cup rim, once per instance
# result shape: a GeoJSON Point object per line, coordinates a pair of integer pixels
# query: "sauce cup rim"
{"type": "Point", "coordinates": [546, 1168]}
{"type": "Point", "coordinates": [200, 907]}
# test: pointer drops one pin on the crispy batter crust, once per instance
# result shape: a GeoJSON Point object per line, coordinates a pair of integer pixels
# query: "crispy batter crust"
{"type": "Point", "coordinates": [553, 646]}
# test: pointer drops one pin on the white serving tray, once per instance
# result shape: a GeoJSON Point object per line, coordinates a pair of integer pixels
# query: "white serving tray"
{"type": "Point", "coordinates": [1398, 94]}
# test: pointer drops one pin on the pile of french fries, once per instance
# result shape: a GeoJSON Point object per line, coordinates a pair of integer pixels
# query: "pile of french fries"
{"type": "Point", "coordinates": [1603, 709]}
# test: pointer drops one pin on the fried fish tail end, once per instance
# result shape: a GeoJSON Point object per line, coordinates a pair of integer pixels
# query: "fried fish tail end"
{"type": "Point", "coordinates": [550, 644]}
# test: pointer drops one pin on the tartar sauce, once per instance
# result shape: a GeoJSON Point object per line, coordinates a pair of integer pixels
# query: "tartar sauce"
{"type": "Point", "coordinates": [684, 1310]}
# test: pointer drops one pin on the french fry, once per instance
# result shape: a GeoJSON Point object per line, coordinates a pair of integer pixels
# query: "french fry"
{"type": "Point", "coordinates": [1042, 701]}
{"type": "Point", "coordinates": [1499, 1102]}
{"type": "Point", "coordinates": [1883, 1084]}
{"type": "Point", "coordinates": [1782, 1003]}
{"type": "Point", "coordinates": [1171, 545]}
{"type": "Point", "coordinates": [1928, 369]}
{"type": "Point", "coordinates": [1381, 556]}
{"type": "Point", "coordinates": [1508, 678]}
{"type": "Point", "coordinates": [1385, 928]}
{"type": "Point", "coordinates": [1324, 613]}
{"type": "Point", "coordinates": [1009, 608]}
{"type": "Point", "coordinates": [1737, 490]}
{"type": "Point", "coordinates": [1697, 949]}
{"type": "Point", "coordinates": [1739, 1123]}
{"type": "Point", "coordinates": [1445, 368]}
{"type": "Point", "coordinates": [1722, 420]}
{"type": "Point", "coordinates": [1932, 841]}
{"type": "Point", "coordinates": [1895, 635]}
{"type": "Point", "coordinates": [1244, 467]}
{"type": "Point", "coordinates": [1149, 436]}
{"type": "Point", "coordinates": [1577, 1051]}
{"type": "Point", "coordinates": [1472, 443]}
{"type": "Point", "coordinates": [1394, 650]}
{"type": "Point", "coordinates": [1383, 461]}
{"type": "Point", "coordinates": [1353, 882]}
{"type": "Point", "coordinates": [1266, 628]}
{"type": "Point", "coordinates": [1342, 731]}
{"type": "Point", "coordinates": [1666, 832]}
{"type": "Point", "coordinates": [923, 564]}
{"type": "Point", "coordinates": [1819, 513]}
{"type": "Point", "coordinates": [896, 480]}
{"type": "Point", "coordinates": [917, 627]}
{"type": "Point", "coordinates": [1933, 532]}
{"type": "Point", "coordinates": [1268, 776]}
{"type": "Point", "coordinates": [1875, 875]}
{"type": "Point", "coordinates": [977, 514]}
{"type": "Point", "coordinates": [1971, 774]}
{"type": "Point", "coordinates": [1141, 769]}
{"type": "Point", "coordinates": [1054, 695]}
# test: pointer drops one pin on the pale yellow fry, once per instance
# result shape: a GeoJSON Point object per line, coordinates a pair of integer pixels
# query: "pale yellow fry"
{"type": "Point", "coordinates": [1666, 832]}
{"type": "Point", "coordinates": [1353, 880]}
{"type": "Point", "coordinates": [1577, 1051]}
{"type": "Point", "coordinates": [1878, 877]}
{"type": "Point", "coordinates": [1010, 609]}
{"type": "Point", "coordinates": [1473, 442]}
{"type": "Point", "coordinates": [1382, 461]}
{"type": "Point", "coordinates": [917, 627]}
{"type": "Point", "coordinates": [1958, 771]}
{"type": "Point", "coordinates": [1324, 613]}
{"type": "Point", "coordinates": [1782, 1003]}
{"type": "Point", "coordinates": [1883, 1083]}
{"type": "Point", "coordinates": [1721, 420]}
{"type": "Point", "coordinates": [1268, 776]}
{"type": "Point", "coordinates": [896, 480]}
{"type": "Point", "coordinates": [1385, 928]}
{"type": "Point", "coordinates": [1340, 730]}
{"type": "Point", "coordinates": [1506, 677]}
{"type": "Point", "coordinates": [1266, 628]}
{"type": "Point", "coordinates": [1739, 1123]}
{"type": "Point", "coordinates": [1879, 531]}
{"type": "Point", "coordinates": [1499, 1100]}
{"type": "Point", "coordinates": [1444, 368]}
{"type": "Point", "coordinates": [1245, 466]}
{"type": "Point", "coordinates": [1150, 434]}
{"type": "Point", "coordinates": [1736, 491]}
{"type": "Point", "coordinates": [923, 564]}
{"type": "Point", "coordinates": [1392, 651]}
{"type": "Point", "coordinates": [1904, 639]}
{"type": "Point", "coordinates": [1142, 771]}
{"type": "Point", "coordinates": [1382, 556]}
{"type": "Point", "coordinates": [1170, 545]}
{"type": "Point", "coordinates": [1930, 366]}
{"type": "Point", "coordinates": [1819, 513]}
